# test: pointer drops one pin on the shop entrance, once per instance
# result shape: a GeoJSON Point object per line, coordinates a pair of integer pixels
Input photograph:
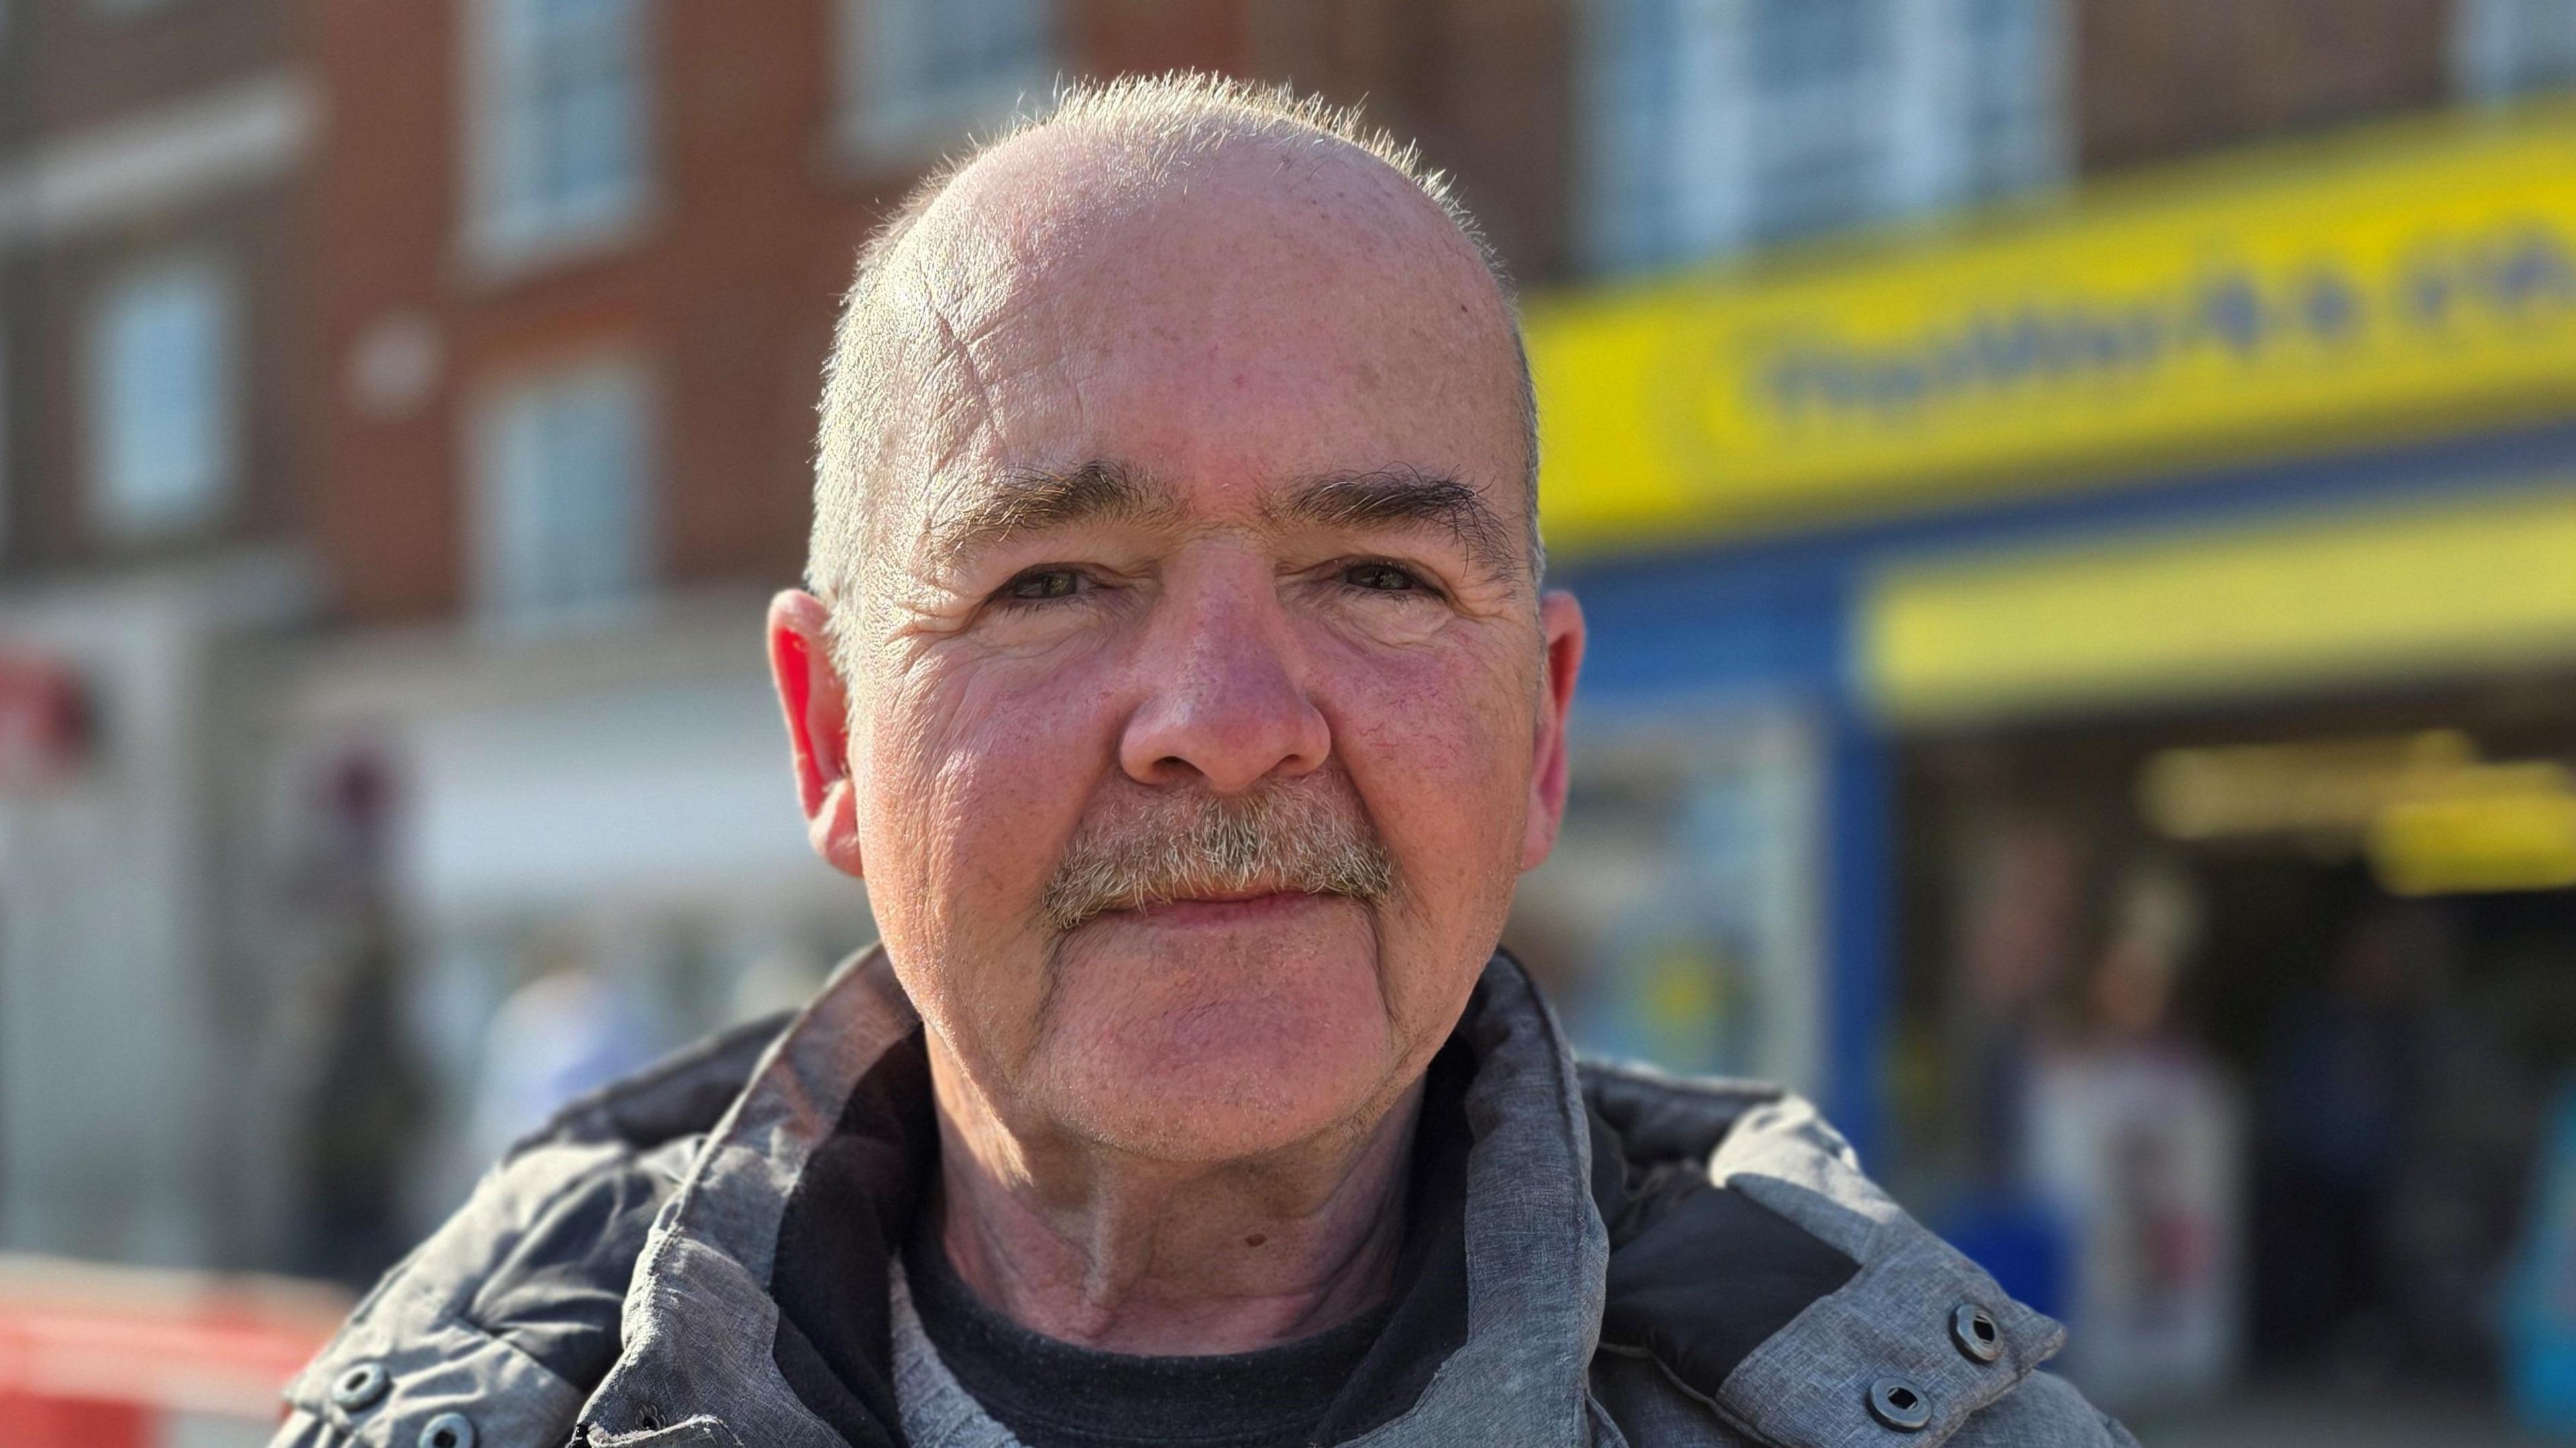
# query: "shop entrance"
{"type": "Point", "coordinates": [2239, 1040]}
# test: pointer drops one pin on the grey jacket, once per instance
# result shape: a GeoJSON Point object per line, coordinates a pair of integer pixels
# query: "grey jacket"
{"type": "Point", "coordinates": [1640, 1260]}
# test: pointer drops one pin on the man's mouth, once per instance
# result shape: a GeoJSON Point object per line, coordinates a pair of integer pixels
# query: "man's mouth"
{"type": "Point", "coordinates": [1224, 908]}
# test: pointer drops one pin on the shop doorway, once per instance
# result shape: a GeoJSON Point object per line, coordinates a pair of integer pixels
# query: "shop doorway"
{"type": "Point", "coordinates": [2263, 1094]}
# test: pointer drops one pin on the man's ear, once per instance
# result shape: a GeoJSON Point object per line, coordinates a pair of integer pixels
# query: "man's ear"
{"type": "Point", "coordinates": [1560, 621]}
{"type": "Point", "coordinates": [818, 725]}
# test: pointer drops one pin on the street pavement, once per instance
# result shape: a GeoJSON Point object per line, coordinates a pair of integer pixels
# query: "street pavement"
{"type": "Point", "coordinates": [2328, 1418]}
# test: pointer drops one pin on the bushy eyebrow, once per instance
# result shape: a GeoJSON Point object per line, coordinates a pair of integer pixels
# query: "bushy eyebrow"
{"type": "Point", "coordinates": [1033, 500]}
{"type": "Point", "coordinates": [1403, 497]}
{"type": "Point", "coordinates": [1036, 500]}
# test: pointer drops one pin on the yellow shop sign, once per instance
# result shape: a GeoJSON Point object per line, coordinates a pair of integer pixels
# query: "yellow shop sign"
{"type": "Point", "coordinates": [2401, 281]}
{"type": "Point", "coordinates": [2468, 586]}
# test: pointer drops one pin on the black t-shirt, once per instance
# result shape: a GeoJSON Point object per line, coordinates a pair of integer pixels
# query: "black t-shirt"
{"type": "Point", "coordinates": [1053, 1394]}
{"type": "Point", "coordinates": [854, 1207]}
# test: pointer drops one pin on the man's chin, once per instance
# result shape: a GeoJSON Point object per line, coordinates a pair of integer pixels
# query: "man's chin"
{"type": "Point", "coordinates": [1212, 1042]}
{"type": "Point", "coordinates": [1216, 1129]}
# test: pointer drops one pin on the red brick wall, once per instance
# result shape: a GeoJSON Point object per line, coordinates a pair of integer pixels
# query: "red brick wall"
{"type": "Point", "coordinates": [384, 509]}
{"type": "Point", "coordinates": [2160, 78]}
{"type": "Point", "coordinates": [93, 64]}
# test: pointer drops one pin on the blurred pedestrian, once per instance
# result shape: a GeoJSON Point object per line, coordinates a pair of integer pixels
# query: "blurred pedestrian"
{"type": "Point", "coordinates": [569, 1029]}
{"type": "Point", "coordinates": [2333, 1137]}
{"type": "Point", "coordinates": [2134, 1137]}
{"type": "Point", "coordinates": [354, 1090]}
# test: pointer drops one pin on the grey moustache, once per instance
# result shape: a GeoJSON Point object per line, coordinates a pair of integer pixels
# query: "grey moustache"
{"type": "Point", "coordinates": [1303, 837]}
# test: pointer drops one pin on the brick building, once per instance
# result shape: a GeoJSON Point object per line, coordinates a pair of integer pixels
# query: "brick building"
{"type": "Point", "coordinates": [407, 408]}
{"type": "Point", "coordinates": [155, 165]}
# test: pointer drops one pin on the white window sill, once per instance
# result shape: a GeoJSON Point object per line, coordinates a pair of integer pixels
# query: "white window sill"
{"type": "Point", "coordinates": [204, 512]}
{"type": "Point", "coordinates": [501, 249]}
{"type": "Point", "coordinates": [626, 609]}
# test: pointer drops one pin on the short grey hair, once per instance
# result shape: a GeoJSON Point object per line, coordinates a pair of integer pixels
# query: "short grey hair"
{"type": "Point", "coordinates": [1161, 120]}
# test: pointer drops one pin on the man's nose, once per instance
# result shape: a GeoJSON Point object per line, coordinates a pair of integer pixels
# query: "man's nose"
{"type": "Point", "coordinates": [1224, 701]}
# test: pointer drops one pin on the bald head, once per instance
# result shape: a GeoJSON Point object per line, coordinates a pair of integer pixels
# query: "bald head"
{"type": "Point", "coordinates": [1029, 309]}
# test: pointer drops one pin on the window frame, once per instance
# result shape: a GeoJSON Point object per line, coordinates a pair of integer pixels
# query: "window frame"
{"type": "Point", "coordinates": [127, 507]}
{"type": "Point", "coordinates": [887, 115]}
{"type": "Point", "coordinates": [1683, 178]}
{"type": "Point", "coordinates": [2489, 45]}
{"type": "Point", "coordinates": [505, 230]}
{"type": "Point", "coordinates": [497, 593]}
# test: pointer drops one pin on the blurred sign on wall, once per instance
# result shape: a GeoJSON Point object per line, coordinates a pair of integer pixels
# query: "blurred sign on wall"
{"type": "Point", "coordinates": [1681, 914]}
{"type": "Point", "coordinates": [2406, 592]}
{"type": "Point", "coordinates": [2430, 815]}
{"type": "Point", "coordinates": [2397, 280]}
{"type": "Point", "coordinates": [45, 724]}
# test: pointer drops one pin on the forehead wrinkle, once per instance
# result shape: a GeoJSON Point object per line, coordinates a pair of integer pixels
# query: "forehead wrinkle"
{"type": "Point", "coordinates": [958, 305]}
{"type": "Point", "coordinates": [959, 315]}
{"type": "Point", "coordinates": [1402, 496]}
{"type": "Point", "coordinates": [1033, 500]}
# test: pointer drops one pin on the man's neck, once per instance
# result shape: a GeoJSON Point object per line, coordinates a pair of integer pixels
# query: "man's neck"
{"type": "Point", "coordinates": [1123, 1254]}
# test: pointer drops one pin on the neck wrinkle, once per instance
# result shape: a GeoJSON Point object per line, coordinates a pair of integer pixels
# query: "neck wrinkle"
{"type": "Point", "coordinates": [1122, 1255]}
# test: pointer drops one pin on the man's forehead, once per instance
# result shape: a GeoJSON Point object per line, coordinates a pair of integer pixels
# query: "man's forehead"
{"type": "Point", "coordinates": [1054, 198]}
{"type": "Point", "coordinates": [1256, 313]}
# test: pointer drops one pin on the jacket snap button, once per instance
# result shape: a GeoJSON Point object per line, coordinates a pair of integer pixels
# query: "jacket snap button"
{"type": "Point", "coordinates": [1974, 1330]}
{"type": "Point", "coordinates": [360, 1386]}
{"type": "Point", "coordinates": [1899, 1404]}
{"type": "Point", "coordinates": [447, 1430]}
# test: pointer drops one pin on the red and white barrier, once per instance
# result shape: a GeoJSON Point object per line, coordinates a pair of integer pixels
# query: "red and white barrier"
{"type": "Point", "coordinates": [121, 1357]}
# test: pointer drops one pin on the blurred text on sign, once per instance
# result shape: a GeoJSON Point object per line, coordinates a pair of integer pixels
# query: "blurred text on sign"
{"type": "Point", "coordinates": [2402, 280]}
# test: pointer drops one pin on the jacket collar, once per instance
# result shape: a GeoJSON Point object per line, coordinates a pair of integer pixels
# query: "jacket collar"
{"type": "Point", "coordinates": [1906, 1321]}
{"type": "Point", "coordinates": [1776, 1285]}
{"type": "Point", "coordinates": [701, 1322]}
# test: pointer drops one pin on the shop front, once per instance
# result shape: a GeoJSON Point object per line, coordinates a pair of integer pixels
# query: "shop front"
{"type": "Point", "coordinates": [2091, 692]}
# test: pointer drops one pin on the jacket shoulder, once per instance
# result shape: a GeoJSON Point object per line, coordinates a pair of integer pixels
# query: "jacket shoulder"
{"type": "Point", "coordinates": [1662, 1117]}
{"type": "Point", "coordinates": [2044, 1411]}
{"type": "Point", "coordinates": [509, 1313]}
{"type": "Point", "coordinates": [1762, 1289]}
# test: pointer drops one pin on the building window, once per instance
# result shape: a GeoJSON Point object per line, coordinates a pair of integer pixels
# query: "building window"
{"type": "Point", "coordinates": [1724, 123]}
{"type": "Point", "coordinates": [561, 101]}
{"type": "Point", "coordinates": [161, 403]}
{"type": "Point", "coordinates": [2504, 48]}
{"type": "Point", "coordinates": [920, 73]}
{"type": "Point", "coordinates": [562, 507]}
{"type": "Point", "coordinates": [2006, 69]}
{"type": "Point", "coordinates": [1819, 71]}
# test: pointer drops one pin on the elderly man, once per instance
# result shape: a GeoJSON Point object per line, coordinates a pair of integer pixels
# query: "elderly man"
{"type": "Point", "coordinates": [1179, 678]}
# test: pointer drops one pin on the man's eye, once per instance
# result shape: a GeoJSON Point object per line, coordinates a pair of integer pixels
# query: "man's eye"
{"type": "Point", "coordinates": [1040, 584]}
{"type": "Point", "coordinates": [1380, 578]}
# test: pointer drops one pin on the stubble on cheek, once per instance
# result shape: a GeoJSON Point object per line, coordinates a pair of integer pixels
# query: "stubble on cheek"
{"type": "Point", "coordinates": [965, 829]}
{"type": "Point", "coordinates": [1444, 758]}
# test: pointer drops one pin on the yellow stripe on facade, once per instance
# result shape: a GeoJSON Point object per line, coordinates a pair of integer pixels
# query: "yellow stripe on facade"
{"type": "Point", "coordinates": [2403, 280]}
{"type": "Point", "coordinates": [2412, 593]}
